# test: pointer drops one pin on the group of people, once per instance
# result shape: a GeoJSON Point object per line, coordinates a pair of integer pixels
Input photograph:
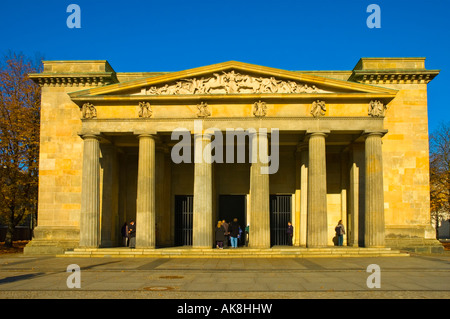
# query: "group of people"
{"type": "Point", "coordinates": [233, 233]}
{"type": "Point", "coordinates": [129, 234]}
{"type": "Point", "coordinates": [230, 232]}
{"type": "Point", "coordinates": [226, 232]}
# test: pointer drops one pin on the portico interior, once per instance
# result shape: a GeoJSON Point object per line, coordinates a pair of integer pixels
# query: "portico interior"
{"type": "Point", "coordinates": [119, 157]}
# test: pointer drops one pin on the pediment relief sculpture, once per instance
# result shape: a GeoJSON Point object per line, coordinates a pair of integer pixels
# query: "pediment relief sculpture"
{"type": "Point", "coordinates": [88, 111]}
{"type": "Point", "coordinates": [231, 83]}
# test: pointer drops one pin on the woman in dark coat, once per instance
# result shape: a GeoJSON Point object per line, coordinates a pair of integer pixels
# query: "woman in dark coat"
{"type": "Point", "coordinates": [220, 235]}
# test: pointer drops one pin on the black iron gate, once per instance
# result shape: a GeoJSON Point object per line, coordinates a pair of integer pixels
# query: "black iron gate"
{"type": "Point", "coordinates": [280, 215]}
{"type": "Point", "coordinates": [183, 220]}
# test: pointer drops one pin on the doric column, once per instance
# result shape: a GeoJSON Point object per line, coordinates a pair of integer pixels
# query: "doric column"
{"type": "Point", "coordinates": [202, 219]}
{"type": "Point", "coordinates": [317, 228]}
{"type": "Point", "coordinates": [163, 215]}
{"type": "Point", "coordinates": [109, 195]}
{"type": "Point", "coordinates": [374, 206]}
{"type": "Point", "coordinates": [354, 205]}
{"type": "Point", "coordinates": [356, 187]}
{"type": "Point", "coordinates": [145, 205]}
{"type": "Point", "coordinates": [259, 193]}
{"type": "Point", "coordinates": [90, 193]}
{"type": "Point", "coordinates": [303, 193]}
{"type": "Point", "coordinates": [344, 190]}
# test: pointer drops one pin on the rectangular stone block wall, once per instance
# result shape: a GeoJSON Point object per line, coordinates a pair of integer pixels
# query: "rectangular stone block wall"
{"type": "Point", "coordinates": [61, 154]}
{"type": "Point", "coordinates": [406, 163]}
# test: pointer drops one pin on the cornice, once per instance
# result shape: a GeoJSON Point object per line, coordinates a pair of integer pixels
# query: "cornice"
{"type": "Point", "coordinates": [74, 79]}
{"type": "Point", "coordinates": [405, 76]}
{"type": "Point", "coordinates": [245, 68]}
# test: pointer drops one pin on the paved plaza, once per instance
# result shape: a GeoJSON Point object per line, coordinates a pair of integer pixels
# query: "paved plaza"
{"type": "Point", "coordinates": [417, 276]}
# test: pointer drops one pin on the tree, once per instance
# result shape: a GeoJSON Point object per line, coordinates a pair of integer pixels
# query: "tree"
{"type": "Point", "coordinates": [19, 140]}
{"type": "Point", "coordinates": [440, 175]}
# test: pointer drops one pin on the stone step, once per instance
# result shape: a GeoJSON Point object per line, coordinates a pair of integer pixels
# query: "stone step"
{"type": "Point", "coordinates": [233, 253]}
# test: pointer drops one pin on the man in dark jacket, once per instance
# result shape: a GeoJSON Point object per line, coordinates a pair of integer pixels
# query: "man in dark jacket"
{"type": "Point", "coordinates": [233, 229]}
{"type": "Point", "coordinates": [290, 233]}
{"type": "Point", "coordinates": [132, 234]}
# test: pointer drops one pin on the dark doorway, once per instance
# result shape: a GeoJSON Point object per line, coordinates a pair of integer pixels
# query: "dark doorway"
{"type": "Point", "coordinates": [280, 215]}
{"type": "Point", "coordinates": [183, 219]}
{"type": "Point", "coordinates": [231, 207]}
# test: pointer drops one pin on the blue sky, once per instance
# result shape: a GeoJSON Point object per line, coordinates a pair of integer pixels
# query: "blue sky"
{"type": "Point", "coordinates": [288, 34]}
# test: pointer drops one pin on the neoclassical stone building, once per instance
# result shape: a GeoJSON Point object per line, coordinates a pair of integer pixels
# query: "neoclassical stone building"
{"type": "Point", "coordinates": [176, 151]}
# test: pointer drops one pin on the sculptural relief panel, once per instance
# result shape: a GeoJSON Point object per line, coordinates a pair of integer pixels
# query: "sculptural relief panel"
{"type": "Point", "coordinates": [231, 82]}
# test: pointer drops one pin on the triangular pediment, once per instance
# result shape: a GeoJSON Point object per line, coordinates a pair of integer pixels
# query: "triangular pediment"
{"type": "Point", "coordinates": [233, 80]}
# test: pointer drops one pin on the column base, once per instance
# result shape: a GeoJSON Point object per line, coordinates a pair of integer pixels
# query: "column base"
{"type": "Point", "coordinates": [416, 245]}
{"type": "Point", "coordinates": [50, 240]}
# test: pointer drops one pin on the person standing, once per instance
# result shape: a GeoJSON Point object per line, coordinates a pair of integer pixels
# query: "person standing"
{"type": "Point", "coordinates": [124, 232]}
{"type": "Point", "coordinates": [233, 229]}
{"type": "Point", "coordinates": [220, 235]}
{"type": "Point", "coordinates": [290, 233]}
{"type": "Point", "coordinates": [132, 234]}
{"type": "Point", "coordinates": [240, 236]}
{"type": "Point", "coordinates": [227, 233]}
{"type": "Point", "coordinates": [340, 231]}
{"type": "Point", "coordinates": [247, 234]}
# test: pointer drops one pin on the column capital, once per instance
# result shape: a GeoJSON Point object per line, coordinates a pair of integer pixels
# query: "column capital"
{"type": "Point", "coordinates": [310, 133]}
{"type": "Point", "coordinates": [380, 133]}
{"type": "Point", "coordinates": [154, 137]}
{"type": "Point", "coordinates": [204, 135]}
{"type": "Point", "coordinates": [145, 132]}
{"type": "Point", "coordinates": [259, 134]}
{"type": "Point", "coordinates": [90, 136]}
{"type": "Point", "coordinates": [151, 135]}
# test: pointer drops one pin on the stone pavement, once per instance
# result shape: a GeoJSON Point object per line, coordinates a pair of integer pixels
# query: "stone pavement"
{"type": "Point", "coordinates": [417, 276]}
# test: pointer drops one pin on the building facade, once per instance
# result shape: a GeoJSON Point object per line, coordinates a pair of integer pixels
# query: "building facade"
{"type": "Point", "coordinates": [177, 151]}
